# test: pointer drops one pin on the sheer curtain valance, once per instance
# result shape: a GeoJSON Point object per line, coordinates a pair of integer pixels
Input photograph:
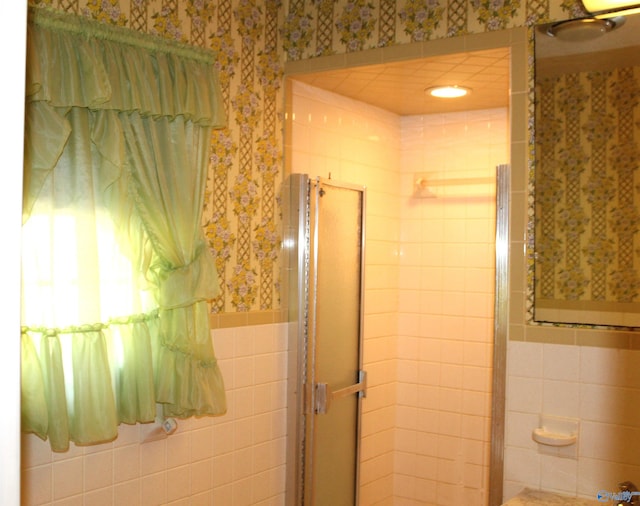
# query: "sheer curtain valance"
{"type": "Point", "coordinates": [116, 271]}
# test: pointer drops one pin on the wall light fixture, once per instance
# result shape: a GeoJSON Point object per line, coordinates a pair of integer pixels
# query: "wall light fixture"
{"type": "Point", "coordinates": [611, 8]}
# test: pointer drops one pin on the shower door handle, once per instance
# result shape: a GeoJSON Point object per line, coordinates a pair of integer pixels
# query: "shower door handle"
{"type": "Point", "coordinates": [325, 396]}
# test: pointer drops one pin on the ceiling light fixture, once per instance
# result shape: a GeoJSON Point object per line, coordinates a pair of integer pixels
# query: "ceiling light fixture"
{"type": "Point", "coordinates": [583, 29]}
{"type": "Point", "coordinates": [449, 91]}
{"type": "Point", "coordinates": [611, 8]}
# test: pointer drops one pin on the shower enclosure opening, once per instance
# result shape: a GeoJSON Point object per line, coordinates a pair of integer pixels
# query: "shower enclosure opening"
{"type": "Point", "coordinates": [433, 282]}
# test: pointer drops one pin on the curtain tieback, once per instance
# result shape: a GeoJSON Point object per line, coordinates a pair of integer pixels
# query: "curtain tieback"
{"type": "Point", "coordinates": [191, 282]}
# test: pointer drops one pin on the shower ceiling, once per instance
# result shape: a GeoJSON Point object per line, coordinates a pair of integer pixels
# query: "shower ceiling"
{"type": "Point", "coordinates": [399, 87]}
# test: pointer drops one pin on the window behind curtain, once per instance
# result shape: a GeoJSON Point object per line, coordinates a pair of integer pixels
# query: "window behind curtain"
{"type": "Point", "coordinates": [116, 271]}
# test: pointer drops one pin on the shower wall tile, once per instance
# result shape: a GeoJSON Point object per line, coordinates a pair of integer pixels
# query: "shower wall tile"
{"type": "Point", "coordinates": [232, 460]}
{"type": "Point", "coordinates": [445, 300]}
{"type": "Point", "coordinates": [431, 260]}
{"type": "Point", "coordinates": [592, 385]}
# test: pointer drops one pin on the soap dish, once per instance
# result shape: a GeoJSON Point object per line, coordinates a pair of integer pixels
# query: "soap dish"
{"type": "Point", "coordinates": [556, 431]}
{"type": "Point", "coordinates": [544, 437]}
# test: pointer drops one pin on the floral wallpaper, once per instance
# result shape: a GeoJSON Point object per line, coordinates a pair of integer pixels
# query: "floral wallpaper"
{"type": "Point", "coordinates": [253, 38]}
{"type": "Point", "coordinates": [588, 192]}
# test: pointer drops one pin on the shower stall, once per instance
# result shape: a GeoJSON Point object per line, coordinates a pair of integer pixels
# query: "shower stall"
{"type": "Point", "coordinates": [324, 237]}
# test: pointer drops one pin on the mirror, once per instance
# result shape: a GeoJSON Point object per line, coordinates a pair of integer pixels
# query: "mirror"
{"type": "Point", "coordinates": [587, 172]}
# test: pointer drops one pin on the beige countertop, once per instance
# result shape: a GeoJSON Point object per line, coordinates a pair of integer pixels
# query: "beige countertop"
{"type": "Point", "coordinates": [530, 497]}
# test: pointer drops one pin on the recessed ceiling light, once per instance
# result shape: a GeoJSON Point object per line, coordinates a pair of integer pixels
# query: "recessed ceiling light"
{"type": "Point", "coordinates": [449, 91]}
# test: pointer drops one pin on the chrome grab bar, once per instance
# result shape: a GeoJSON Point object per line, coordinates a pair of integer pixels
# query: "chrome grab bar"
{"type": "Point", "coordinates": [324, 396]}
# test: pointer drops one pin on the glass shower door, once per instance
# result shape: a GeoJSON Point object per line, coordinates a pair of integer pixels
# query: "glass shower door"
{"type": "Point", "coordinates": [335, 325]}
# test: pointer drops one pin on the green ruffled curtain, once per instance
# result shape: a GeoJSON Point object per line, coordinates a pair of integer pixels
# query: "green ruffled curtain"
{"type": "Point", "coordinates": [116, 270]}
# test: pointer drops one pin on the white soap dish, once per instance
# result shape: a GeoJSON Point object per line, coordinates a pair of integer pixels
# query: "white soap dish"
{"type": "Point", "coordinates": [556, 431]}
{"type": "Point", "coordinates": [544, 437]}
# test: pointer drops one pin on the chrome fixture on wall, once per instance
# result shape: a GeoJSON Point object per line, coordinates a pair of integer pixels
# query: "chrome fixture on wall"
{"type": "Point", "coordinates": [582, 29]}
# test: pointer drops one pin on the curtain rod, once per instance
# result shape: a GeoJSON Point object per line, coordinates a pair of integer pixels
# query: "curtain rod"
{"type": "Point", "coordinates": [56, 20]}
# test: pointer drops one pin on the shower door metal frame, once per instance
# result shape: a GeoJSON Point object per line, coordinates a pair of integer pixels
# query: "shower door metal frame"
{"type": "Point", "coordinates": [301, 265]}
{"type": "Point", "coordinates": [500, 336]}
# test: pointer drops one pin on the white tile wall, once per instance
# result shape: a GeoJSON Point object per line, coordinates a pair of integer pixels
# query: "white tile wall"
{"type": "Point", "coordinates": [600, 387]}
{"type": "Point", "coordinates": [446, 306]}
{"type": "Point", "coordinates": [234, 460]}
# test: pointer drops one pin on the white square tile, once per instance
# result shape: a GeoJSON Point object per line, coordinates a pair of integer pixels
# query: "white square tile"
{"type": "Point", "coordinates": [476, 378]}
{"type": "Point", "coordinates": [595, 475]}
{"type": "Point", "coordinates": [264, 457]}
{"type": "Point", "coordinates": [242, 437]}
{"type": "Point", "coordinates": [35, 451]}
{"type": "Point", "coordinates": [522, 466]}
{"type": "Point", "coordinates": [473, 452]}
{"type": "Point", "coordinates": [179, 486]}
{"type": "Point", "coordinates": [407, 417]}
{"type": "Point", "coordinates": [127, 492]}
{"type": "Point", "coordinates": [243, 372]}
{"type": "Point", "coordinates": [201, 476]}
{"type": "Point", "coordinates": [203, 499]}
{"type": "Point", "coordinates": [223, 440]}
{"type": "Point", "coordinates": [561, 362]}
{"type": "Point", "coordinates": [450, 400]}
{"type": "Point", "coordinates": [153, 457]}
{"type": "Point", "coordinates": [223, 494]}
{"type": "Point", "coordinates": [405, 440]}
{"type": "Point", "coordinates": [473, 476]}
{"type": "Point", "coordinates": [448, 493]}
{"type": "Point", "coordinates": [68, 478]}
{"type": "Point", "coordinates": [476, 403]}
{"type": "Point", "coordinates": [223, 342]}
{"type": "Point", "coordinates": [201, 444]}
{"type": "Point", "coordinates": [37, 485]}
{"type": "Point", "coordinates": [429, 397]}
{"type": "Point", "coordinates": [407, 371]}
{"type": "Point", "coordinates": [262, 487]}
{"type": "Point", "coordinates": [242, 463]}
{"type": "Point", "coordinates": [518, 429]}
{"type": "Point", "coordinates": [98, 470]}
{"type": "Point", "coordinates": [126, 463]}
{"type": "Point", "coordinates": [561, 398]}
{"type": "Point", "coordinates": [261, 428]}
{"type": "Point", "coordinates": [99, 497]}
{"type": "Point", "coordinates": [602, 403]}
{"type": "Point", "coordinates": [476, 427]}
{"type": "Point", "coordinates": [600, 365]}
{"type": "Point", "coordinates": [524, 359]}
{"type": "Point", "coordinates": [450, 424]}
{"type": "Point", "coordinates": [262, 402]}
{"type": "Point", "coordinates": [524, 395]}
{"type": "Point", "coordinates": [153, 488]}
{"type": "Point", "coordinates": [558, 474]}
{"type": "Point", "coordinates": [222, 470]}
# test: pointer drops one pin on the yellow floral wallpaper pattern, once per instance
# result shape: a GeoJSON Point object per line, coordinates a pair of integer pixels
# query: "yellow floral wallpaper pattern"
{"type": "Point", "coordinates": [253, 38]}
{"type": "Point", "coordinates": [588, 197]}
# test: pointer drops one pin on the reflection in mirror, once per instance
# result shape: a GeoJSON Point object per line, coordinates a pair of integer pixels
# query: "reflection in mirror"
{"type": "Point", "coordinates": [587, 166]}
